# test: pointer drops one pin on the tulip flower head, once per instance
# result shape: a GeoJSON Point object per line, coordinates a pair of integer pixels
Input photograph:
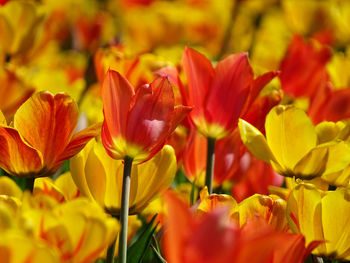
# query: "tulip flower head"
{"type": "Point", "coordinates": [42, 136]}
{"type": "Point", "coordinates": [137, 124]}
{"type": "Point", "coordinates": [221, 95]}
{"type": "Point", "coordinates": [291, 145]}
{"type": "Point", "coordinates": [99, 177]}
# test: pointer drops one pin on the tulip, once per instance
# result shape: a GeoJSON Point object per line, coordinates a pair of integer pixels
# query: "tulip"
{"type": "Point", "coordinates": [42, 136]}
{"type": "Point", "coordinates": [137, 124]}
{"type": "Point", "coordinates": [303, 70]}
{"type": "Point", "coordinates": [213, 238]}
{"type": "Point", "coordinates": [99, 177]}
{"type": "Point", "coordinates": [291, 145]}
{"type": "Point", "coordinates": [219, 96]}
{"type": "Point", "coordinates": [322, 216]}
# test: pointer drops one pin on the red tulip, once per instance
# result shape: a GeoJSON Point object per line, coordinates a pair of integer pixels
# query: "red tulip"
{"type": "Point", "coordinates": [222, 94]}
{"type": "Point", "coordinates": [137, 124]}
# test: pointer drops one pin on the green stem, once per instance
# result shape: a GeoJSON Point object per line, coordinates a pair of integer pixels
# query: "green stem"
{"type": "Point", "coordinates": [210, 164]}
{"type": "Point", "coordinates": [30, 184]}
{"type": "Point", "coordinates": [125, 210]}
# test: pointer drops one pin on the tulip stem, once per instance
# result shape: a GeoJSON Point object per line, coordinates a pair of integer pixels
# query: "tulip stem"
{"type": "Point", "coordinates": [316, 259]}
{"type": "Point", "coordinates": [30, 184]}
{"type": "Point", "coordinates": [124, 213]}
{"type": "Point", "coordinates": [111, 252]}
{"type": "Point", "coordinates": [210, 164]}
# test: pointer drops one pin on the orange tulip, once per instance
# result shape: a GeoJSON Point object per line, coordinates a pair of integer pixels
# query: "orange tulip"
{"type": "Point", "coordinates": [42, 136]}
{"type": "Point", "coordinates": [137, 124]}
{"type": "Point", "coordinates": [221, 95]}
{"type": "Point", "coordinates": [213, 238]}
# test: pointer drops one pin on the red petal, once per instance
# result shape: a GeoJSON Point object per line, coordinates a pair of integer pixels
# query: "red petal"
{"type": "Point", "coordinates": [149, 119]}
{"type": "Point", "coordinates": [199, 73]}
{"type": "Point", "coordinates": [229, 91]}
{"type": "Point", "coordinates": [116, 96]}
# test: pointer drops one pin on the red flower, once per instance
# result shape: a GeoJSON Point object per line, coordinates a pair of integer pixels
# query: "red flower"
{"type": "Point", "coordinates": [221, 95]}
{"type": "Point", "coordinates": [303, 69]}
{"type": "Point", "coordinates": [137, 124]}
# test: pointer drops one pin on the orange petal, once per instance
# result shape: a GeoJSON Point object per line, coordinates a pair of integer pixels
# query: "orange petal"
{"type": "Point", "coordinates": [178, 228]}
{"type": "Point", "coordinates": [16, 156]}
{"type": "Point", "coordinates": [47, 123]}
{"type": "Point", "coordinates": [79, 141]}
{"type": "Point", "coordinates": [116, 95]}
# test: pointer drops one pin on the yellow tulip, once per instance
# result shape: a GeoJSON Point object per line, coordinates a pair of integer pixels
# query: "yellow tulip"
{"type": "Point", "coordinates": [271, 208]}
{"type": "Point", "coordinates": [320, 215]}
{"type": "Point", "coordinates": [18, 248]}
{"type": "Point", "coordinates": [292, 146]}
{"type": "Point", "coordinates": [79, 230]}
{"type": "Point", "coordinates": [19, 25]}
{"type": "Point", "coordinates": [99, 177]}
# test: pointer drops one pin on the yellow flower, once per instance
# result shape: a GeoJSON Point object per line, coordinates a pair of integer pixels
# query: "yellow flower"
{"type": "Point", "coordinates": [99, 177]}
{"type": "Point", "coordinates": [321, 215]}
{"type": "Point", "coordinates": [292, 146]}
{"type": "Point", "coordinates": [18, 248]}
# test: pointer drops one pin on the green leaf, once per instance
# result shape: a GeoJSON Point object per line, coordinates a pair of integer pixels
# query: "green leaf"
{"type": "Point", "coordinates": [140, 242]}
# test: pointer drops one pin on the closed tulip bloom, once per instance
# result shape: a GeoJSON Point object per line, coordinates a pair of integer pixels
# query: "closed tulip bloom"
{"type": "Point", "coordinates": [291, 145]}
{"type": "Point", "coordinates": [221, 95]}
{"type": "Point", "coordinates": [42, 136]}
{"type": "Point", "coordinates": [99, 177]}
{"type": "Point", "coordinates": [137, 123]}
{"type": "Point", "coordinates": [322, 216]}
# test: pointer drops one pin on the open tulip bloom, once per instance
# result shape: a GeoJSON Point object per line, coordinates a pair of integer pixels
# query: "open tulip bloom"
{"type": "Point", "coordinates": [292, 146]}
{"type": "Point", "coordinates": [42, 136]}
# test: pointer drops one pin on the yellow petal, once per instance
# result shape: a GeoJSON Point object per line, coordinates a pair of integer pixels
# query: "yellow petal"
{"type": "Point", "coordinates": [326, 131]}
{"type": "Point", "coordinates": [290, 135]}
{"type": "Point", "coordinates": [338, 157]}
{"type": "Point", "coordinates": [255, 141]}
{"type": "Point", "coordinates": [154, 176]}
{"type": "Point", "coordinates": [2, 119]}
{"type": "Point", "coordinates": [271, 208]}
{"type": "Point", "coordinates": [335, 221]}
{"type": "Point", "coordinates": [312, 165]}
{"type": "Point", "coordinates": [304, 213]}
{"type": "Point", "coordinates": [77, 168]}
{"type": "Point", "coordinates": [9, 187]}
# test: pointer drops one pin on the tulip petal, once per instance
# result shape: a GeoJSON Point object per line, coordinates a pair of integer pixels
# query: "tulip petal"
{"type": "Point", "coordinates": [199, 73]}
{"type": "Point", "coordinates": [290, 135]}
{"type": "Point", "coordinates": [47, 123]}
{"type": "Point", "coordinates": [178, 228]}
{"type": "Point", "coordinates": [154, 176]}
{"type": "Point", "coordinates": [339, 157]}
{"type": "Point", "coordinates": [2, 119]}
{"type": "Point", "coordinates": [255, 141]}
{"type": "Point", "coordinates": [229, 91]}
{"type": "Point", "coordinates": [312, 165]}
{"type": "Point", "coordinates": [258, 84]}
{"type": "Point", "coordinates": [78, 142]}
{"type": "Point", "coordinates": [150, 115]}
{"type": "Point", "coordinates": [77, 166]}
{"type": "Point", "coordinates": [116, 96]}
{"type": "Point", "coordinates": [336, 229]}
{"type": "Point", "coordinates": [304, 212]}
{"type": "Point", "coordinates": [16, 156]}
